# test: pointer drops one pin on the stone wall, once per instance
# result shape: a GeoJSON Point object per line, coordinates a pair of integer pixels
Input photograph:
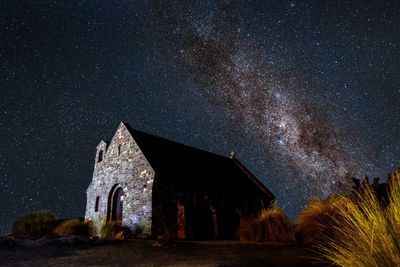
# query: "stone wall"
{"type": "Point", "coordinates": [123, 165]}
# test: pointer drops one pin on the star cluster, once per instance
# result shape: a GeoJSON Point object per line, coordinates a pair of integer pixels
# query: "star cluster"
{"type": "Point", "coordinates": [306, 93]}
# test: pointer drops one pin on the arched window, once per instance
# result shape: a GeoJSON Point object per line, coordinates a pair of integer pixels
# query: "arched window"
{"type": "Point", "coordinates": [100, 156]}
{"type": "Point", "coordinates": [96, 207]}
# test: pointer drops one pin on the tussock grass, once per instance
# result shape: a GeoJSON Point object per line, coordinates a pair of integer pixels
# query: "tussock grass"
{"type": "Point", "coordinates": [271, 225]}
{"type": "Point", "coordinates": [366, 234]}
{"type": "Point", "coordinates": [316, 221]}
{"type": "Point", "coordinates": [73, 228]}
{"type": "Point", "coordinates": [33, 225]}
{"type": "Point", "coordinates": [114, 231]}
{"type": "Point", "coordinates": [110, 229]}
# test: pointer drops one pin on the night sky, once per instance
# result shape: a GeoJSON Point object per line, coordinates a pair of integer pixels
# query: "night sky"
{"type": "Point", "coordinates": [306, 93]}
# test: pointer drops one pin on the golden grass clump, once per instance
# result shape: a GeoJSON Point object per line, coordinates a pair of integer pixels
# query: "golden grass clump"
{"type": "Point", "coordinates": [33, 225]}
{"type": "Point", "coordinates": [395, 175]}
{"type": "Point", "coordinates": [73, 228]}
{"type": "Point", "coordinates": [114, 231]}
{"type": "Point", "coordinates": [317, 219]}
{"type": "Point", "coordinates": [366, 234]}
{"type": "Point", "coordinates": [271, 225]}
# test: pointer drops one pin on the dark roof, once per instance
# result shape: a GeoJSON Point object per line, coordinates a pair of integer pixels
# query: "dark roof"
{"type": "Point", "coordinates": [169, 157]}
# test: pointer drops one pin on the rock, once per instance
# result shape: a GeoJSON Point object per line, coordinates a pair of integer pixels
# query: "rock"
{"type": "Point", "coordinates": [143, 236]}
{"type": "Point", "coordinates": [7, 241]}
{"type": "Point", "coordinates": [156, 244]}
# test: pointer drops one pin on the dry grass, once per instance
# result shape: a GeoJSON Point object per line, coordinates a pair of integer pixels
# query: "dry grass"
{"type": "Point", "coordinates": [366, 235]}
{"type": "Point", "coordinates": [33, 225]}
{"type": "Point", "coordinates": [73, 228]}
{"type": "Point", "coordinates": [114, 231]}
{"type": "Point", "coordinates": [271, 225]}
{"type": "Point", "coordinates": [316, 220]}
{"type": "Point", "coordinates": [109, 230]}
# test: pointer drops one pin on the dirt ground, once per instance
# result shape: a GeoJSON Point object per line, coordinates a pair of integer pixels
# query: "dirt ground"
{"type": "Point", "coordinates": [150, 253]}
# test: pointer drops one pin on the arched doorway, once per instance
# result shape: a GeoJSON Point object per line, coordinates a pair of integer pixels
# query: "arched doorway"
{"type": "Point", "coordinates": [115, 204]}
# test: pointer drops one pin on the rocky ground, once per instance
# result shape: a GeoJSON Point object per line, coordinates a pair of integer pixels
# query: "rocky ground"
{"type": "Point", "coordinates": [83, 252]}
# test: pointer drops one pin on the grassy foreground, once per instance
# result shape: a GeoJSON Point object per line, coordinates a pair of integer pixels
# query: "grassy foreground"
{"type": "Point", "coordinates": [366, 233]}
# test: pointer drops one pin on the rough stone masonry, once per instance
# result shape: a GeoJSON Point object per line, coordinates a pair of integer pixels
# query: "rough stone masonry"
{"type": "Point", "coordinates": [121, 165]}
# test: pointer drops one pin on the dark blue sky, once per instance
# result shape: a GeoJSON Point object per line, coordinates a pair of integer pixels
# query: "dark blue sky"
{"type": "Point", "coordinates": [307, 93]}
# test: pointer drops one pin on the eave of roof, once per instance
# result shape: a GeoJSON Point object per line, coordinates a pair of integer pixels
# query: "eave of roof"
{"type": "Point", "coordinates": [254, 179]}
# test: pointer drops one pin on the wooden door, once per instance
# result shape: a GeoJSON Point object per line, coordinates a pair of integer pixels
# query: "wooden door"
{"type": "Point", "coordinates": [181, 220]}
{"type": "Point", "coordinates": [117, 205]}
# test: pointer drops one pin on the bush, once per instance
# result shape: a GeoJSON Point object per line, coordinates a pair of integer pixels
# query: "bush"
{"type": "Point", "coordinates": [114, 231]}
{"type": "Point", "coordinates": [271, 225]}
{"type": "Point", "coordinates": [33, 225]}
{"type": "Point", "coordinates": [366, 234]}
{"type": "Point", "coordinates": [317, 219]}
{"type": "Point", "coordinates": [73, 228]}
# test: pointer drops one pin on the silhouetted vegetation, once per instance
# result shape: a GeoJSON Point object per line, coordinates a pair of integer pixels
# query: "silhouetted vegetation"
{"type": "Point", "coordinates": [33, 225]}
{"type": "Point", "coordinates": [271, 225]}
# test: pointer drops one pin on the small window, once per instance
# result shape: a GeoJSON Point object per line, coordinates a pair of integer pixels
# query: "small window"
{"type": "Point", "coordinates": [119, 149]}
{"type": "Point", "coordinates": [100, 156]}
{"type": "Point", "coordinates": [96, 207]}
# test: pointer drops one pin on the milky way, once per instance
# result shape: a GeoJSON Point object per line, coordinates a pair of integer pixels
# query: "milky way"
{"type": "Point", "coordinates": [306, 93]}
{"type": "Point", "coordinates": [233, 72]}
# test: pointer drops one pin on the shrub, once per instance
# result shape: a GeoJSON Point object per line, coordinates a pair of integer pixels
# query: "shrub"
{"type": "Point", "coordinates": [33, 225]}
{"type": "Point", "coordinates": [366, 234]}
{"type": "Point", "coordinates": [271, 225]}
{"type": "Point", "coordinates": [114, 231]}
{"type": "Point", "coordinates": [73, 228]}
{"type": "Point", "coordinates": [317, 219]}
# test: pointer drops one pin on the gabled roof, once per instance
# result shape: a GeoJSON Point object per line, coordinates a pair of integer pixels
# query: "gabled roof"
{"type": "Point", "coordinates": [169, 157]}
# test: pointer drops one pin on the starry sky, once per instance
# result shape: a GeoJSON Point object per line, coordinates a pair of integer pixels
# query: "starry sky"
{"type": "Point", "coordinates": [306, 93]}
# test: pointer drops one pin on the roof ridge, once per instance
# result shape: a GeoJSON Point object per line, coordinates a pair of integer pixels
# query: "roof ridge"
{"type": "Point", "coordinates": [133, 131]}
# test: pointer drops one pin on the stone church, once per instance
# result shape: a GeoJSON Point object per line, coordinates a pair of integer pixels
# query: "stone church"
{"type": "Point", "coordinates": [166, 189]}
